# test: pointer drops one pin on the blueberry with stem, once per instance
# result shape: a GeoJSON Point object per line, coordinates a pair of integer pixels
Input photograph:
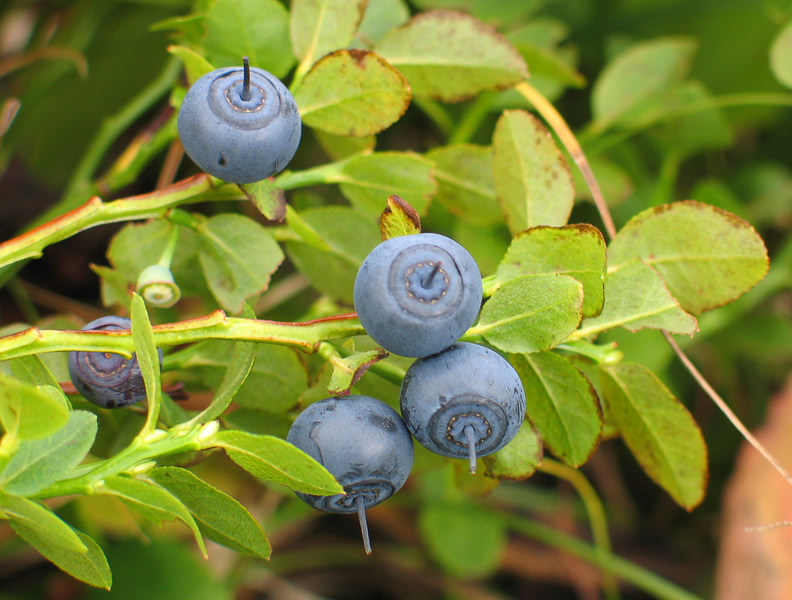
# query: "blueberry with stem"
{"type": "Point", "coordinates": [464, 402]}
{"type": "Point", "coordinates": [364, 444]}
{"type": "Point", "coordinates": [239, 124]}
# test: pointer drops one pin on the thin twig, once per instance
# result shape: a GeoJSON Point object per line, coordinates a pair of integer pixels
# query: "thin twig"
{"type": "Point", "coordinates": [721, 404]}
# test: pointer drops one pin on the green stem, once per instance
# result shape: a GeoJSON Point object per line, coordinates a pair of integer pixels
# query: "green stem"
{"type": "Point", "coordinates": [594, 510]}
{"type": "Point", "coordinates": [138, 451]}
{"type": "Point", "coordinates": [471, 120]}
{"type": "Point", "coordinates": [167, 255]}
{"type": "Point", "coordinates": [606, 354]}
{"type": "Point", "coordinates": [638, 576]}
{"type": "Point", "coordinates": [216, 325]}
{"type": "Point", "coordinates": [437, 112]}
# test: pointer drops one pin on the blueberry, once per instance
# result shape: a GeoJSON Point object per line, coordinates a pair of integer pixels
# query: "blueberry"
{"type": "Point", "coordinates": [464, 402]}
{"type": "Point", "coordinates": [240, 124]}
{"type": "Point", "coordinates": [363, 442]}
{"type": "Point", "coordinates": [416, 295]}
{"type": "Point", "coordinates": [104, 378]}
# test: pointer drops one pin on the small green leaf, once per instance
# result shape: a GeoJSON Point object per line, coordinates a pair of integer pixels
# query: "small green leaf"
{"type": "Point", "coordinates": [467, 540]}
{"type": "Point", "coordinates": [237, 258]}
{"type": "Point", "coordinates": [659, 431]}
{"type": "Point", "coordinates": [274, 459]}
{"type": "Point", "coordinates": [39, 463]}
{"type": "Point", "coordinates": [638, 74]}
{"type": "Point", "coordinates": [518, 459]}
{"type": "Point", "coordinates": [352, 93]}
{"type": "Point", "coordinates": [274, 382]}
{"type": "Point", "coordinates": [636, 298]}
{"type": "Point", "coordinates": [781, 55]}
{"type": "Point", "coordinates": [368, 180]}
{"type": "Point", "coordinates": [89, 566]}
{"type": "Point", "coordinates": [28, 412]}
{"type": "Point", "coordinates": [347, 371]}
{"type": "Point", "coordinates": [398, 218]}
{"type": "Point", "coordinates": [574, 250]}
{"type": "Point", "coordinates": [195, 65]}
{"type": "Point", "coordinates": [349, 237]}
{"type": "Point", "coordinates": [562, 405]}
{"type": "Point", "coordinates": [532, 179]}
{"type": "Point", "coordinates": [320, 26]}
{"type": "Point", "coordinates": [45, 523]}
{"type": "Point", "coordinates": [146, 353]}
{"type": "Point", "coordinates": [707, 256]}
{"type": "Point", "coordinates": [113, 286]}
{"type": "Point", "coordinates": [151, 500]}
{"type": "Point", "coordinates": [465, 184]}
{"type": "Point", "coordinates": [531, 313]}
{"type": "Point", "coordinates": [221, 517]}
{"type": "Point", "coordinates": [242, 357]}
{"type": "Point", "coordinates": [258, 29]}
{"type": "Point", "coordinates": [452, 56]}
{"type": "Point", "coordinates": [267, 197]}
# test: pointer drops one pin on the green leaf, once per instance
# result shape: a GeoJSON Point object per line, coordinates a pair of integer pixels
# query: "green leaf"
{"type": "Point", "coordinates": [114, 287]}
{"type": "Point", "coordinates": [467, 540]}
{"type": "Point", "coordinates": [274, 459]}
{"type": "Point", "coordinates": [146, 353]}
{"type": "Point", "coordinates": [243, 356]}
{"type": "Point", "coordinates": [220, 516]}
{"type": "Point", "coordinates": [562, 405]}
{"type": "Point", "coordinates": [518, 459]}
{"type": "Point", "coordinates": [195, 65]}
{"type": "Point", "coordinates": [41, 520]}
{"type": "Point", "coordinates": [237, 258]}
{"type": "Point", "coordinates": [89, 566]}
{"type": "Point", "coordinates": [39, 463]}
{"type": "Point", "coordinates": [382, 16]}
{"type": "Point", "coordinates": [659, 431]}
{"type": "Point", "coordinates": [267, 197]}
{"type": "Point", "coordinates": [349, 237]}
{"type": "Point", "coordinates": [352, 93]}
{"type": "Point", "coordinates": [781, 55]}
{"type": "Point", "coordinates": [636, 298]}
{"type": "Point", "coordinates": [339, 147]}
{"type": "Point", "coordinates": [398, 218]}
{"type": "Point", "coordinates": [531, 313]}
{"type": "Point", "coordinates": [347, 371]}
{"type": "Point", "coordinates": [321, 26]}
{"type": "Point", "coordinates": [707, 256]}
{"type": "Point", "coordinates": [151, 500]}
{"type": "Point", "coordinates": [274, 382]}
{"type": "Point", "coordinates": [639, 73]}
{"type": "Point", "coordinates": [258, 29]}
{"type": "Point", "coordinates": [574, 250]}
{"type": "Point", "coordinates": [28, 412]}
{"type": "Point", "coordinates": [465, 183]}
{"type": "Point", "coordinates": [532, 178]}
{"type": "Point", "coordinates": [368, 180]}
{"type": "Point", "coordinates": [452, 56]}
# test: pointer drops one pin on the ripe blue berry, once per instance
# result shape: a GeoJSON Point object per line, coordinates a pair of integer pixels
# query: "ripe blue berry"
{"type": "Point", "coordinates": [104, 378]}
{"type": "Point", "coordinates": [416, 295]}
{"type": "Point", "coordinates": [464, 402]}
{"type": "Point", "coordinates": [363, 442]}
{"type": "Point", "coordinates": [240, 124]}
